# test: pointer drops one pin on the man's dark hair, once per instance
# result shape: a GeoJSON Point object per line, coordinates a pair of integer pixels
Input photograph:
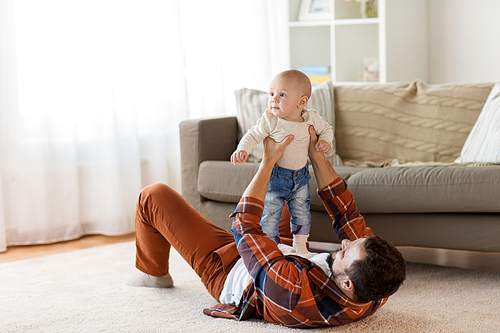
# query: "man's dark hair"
{"type": "Point", "coordinates": [380, 273]}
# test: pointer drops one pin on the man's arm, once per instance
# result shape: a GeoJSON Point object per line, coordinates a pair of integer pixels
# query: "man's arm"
{"type": "Point", "coordinates": [337, 199]}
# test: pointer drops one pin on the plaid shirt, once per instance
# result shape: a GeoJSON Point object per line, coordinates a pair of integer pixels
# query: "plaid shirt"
{"type": "Point", "coordinates": [290, 290]}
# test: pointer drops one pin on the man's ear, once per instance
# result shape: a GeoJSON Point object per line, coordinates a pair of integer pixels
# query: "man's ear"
{"type": "Point", "coordinates": [347, 284]}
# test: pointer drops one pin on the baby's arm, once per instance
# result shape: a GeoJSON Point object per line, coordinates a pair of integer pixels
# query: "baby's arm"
{"type": "Point", "coordinates": [324, 131]}
{"type": "Point", "coordinates": [253, 137]}
{"type": "Point", "coordinates": [239, 156]}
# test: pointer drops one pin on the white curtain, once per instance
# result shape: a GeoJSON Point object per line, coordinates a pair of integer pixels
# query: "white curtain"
{"type": "Point", "coordinates": [92, 92]}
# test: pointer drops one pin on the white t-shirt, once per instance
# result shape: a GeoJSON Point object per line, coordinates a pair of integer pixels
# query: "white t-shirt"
{"type": "Point", "coordinates": [239, 278]}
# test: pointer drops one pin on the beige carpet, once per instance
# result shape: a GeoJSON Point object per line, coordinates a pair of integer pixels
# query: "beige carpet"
{"type": "Point", "coordinates": [84, 291]}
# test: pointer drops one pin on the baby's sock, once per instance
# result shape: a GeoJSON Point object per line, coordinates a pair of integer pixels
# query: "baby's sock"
{"type": "Point", "coordinates": [300, 243]}
{"type": "Point", "coordinates": [300, 246]}
{"type": "Point", "coordinates": [141, 279]}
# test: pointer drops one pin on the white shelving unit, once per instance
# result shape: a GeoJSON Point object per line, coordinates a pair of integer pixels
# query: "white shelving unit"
{"type": "Point", "coordinates": [396, 39]}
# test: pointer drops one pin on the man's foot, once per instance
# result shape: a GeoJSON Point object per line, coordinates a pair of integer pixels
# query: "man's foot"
{"type": "Point", "coordinates": [141, 279]}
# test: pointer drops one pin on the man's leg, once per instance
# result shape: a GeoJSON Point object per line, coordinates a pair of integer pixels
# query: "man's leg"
{"type": "Point", "coordinates": [163, 219]}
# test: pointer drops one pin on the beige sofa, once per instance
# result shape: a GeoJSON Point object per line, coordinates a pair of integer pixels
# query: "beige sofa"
{"type": "Point", "coordinates": [398, 143]}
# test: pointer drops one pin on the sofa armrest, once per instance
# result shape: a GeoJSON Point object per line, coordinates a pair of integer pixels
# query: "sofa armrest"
{"type": "Point", "coordinates": [201, 140]}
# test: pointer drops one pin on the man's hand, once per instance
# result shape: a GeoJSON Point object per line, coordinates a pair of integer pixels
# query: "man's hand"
{"type": "Point", "coordinates": [313, 143]}
{"type": "Point", "coordinates": [274, 150]}
{"type": "Point", "coordinates": [272, 153]}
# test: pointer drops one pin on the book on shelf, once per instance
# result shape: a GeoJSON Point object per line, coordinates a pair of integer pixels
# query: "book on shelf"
{"type": "Point", "coordinates": [320, 70]}
{"type": "Point", "coordinates": [316, 73]}
{"type": "Point", "coordinates": [319, 78]}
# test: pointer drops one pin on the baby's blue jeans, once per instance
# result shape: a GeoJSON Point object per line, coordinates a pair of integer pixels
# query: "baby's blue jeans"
{"type": "Point", "coordinates": [292, 186]}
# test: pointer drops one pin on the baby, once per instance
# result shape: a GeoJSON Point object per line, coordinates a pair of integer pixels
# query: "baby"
{"type": "Point", "coordinates": [286, 114]}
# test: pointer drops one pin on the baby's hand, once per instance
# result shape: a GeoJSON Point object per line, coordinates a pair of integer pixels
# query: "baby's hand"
{"type": "Point", "coordinates": [323, 146]}
{"type": "Point", "coordinates": [239, 156]}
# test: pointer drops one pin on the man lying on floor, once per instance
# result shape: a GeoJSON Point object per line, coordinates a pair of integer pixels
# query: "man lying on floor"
{"type": "Point", "coordinates": [249, 274]}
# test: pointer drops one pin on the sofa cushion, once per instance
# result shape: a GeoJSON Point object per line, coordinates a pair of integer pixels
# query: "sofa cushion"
{"type": "Point", "coordinates": [405, 121]}
{"type": "Point", "coordinates": [483, 142]}
{"type": "Point", "coordinates": [221, 181]}
{"type": "Point", "coordinates": [427, 189]}
{"type": "Point", "coordinates": [224, 182]}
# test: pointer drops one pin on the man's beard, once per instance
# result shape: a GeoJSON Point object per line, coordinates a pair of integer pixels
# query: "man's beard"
{"type": "Point", "coordinates": [329, 260]}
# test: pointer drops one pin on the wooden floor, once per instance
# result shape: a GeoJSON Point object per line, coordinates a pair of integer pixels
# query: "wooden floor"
{"type": "Point", "coordinates": [24, 252]}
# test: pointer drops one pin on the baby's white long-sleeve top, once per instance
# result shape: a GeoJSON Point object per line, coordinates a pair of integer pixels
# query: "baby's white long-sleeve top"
{"type": "Point", "coordinates": [295, 154]}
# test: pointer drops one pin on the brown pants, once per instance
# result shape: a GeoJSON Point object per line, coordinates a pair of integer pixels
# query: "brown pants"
{"type": "Point", "coordinates": [164, 218]}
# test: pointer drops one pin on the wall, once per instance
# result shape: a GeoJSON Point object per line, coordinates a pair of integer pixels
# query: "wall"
{"type": "Point", "coordinates": [464, 41]}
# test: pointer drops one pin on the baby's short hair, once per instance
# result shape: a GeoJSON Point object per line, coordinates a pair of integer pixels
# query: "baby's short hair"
{"type": "Point", "coordinates": [302, 80]}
